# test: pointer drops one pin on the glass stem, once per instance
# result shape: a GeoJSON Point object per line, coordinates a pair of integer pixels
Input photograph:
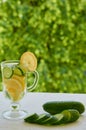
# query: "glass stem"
{"type": "Point", "coordinates": [15, 106]}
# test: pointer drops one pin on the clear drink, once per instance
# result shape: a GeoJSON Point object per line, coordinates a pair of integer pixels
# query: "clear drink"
{"type": "Point", "coordinates": [14, 79]}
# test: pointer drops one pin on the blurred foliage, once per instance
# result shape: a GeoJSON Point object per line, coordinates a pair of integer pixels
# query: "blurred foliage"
{"type": "Point", "coordinates": [55, 30]}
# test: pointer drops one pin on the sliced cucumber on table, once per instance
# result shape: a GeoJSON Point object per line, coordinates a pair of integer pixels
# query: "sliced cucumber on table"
{"type": "Point", "coordinates": [65, 116]}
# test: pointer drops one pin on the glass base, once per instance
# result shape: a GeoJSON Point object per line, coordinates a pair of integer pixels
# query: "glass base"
{"type": "Point", "coordinates": [14, 115]}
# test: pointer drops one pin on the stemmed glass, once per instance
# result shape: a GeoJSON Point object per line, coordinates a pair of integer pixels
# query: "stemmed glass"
{"type": "Point", "coordinates": [14, 81]}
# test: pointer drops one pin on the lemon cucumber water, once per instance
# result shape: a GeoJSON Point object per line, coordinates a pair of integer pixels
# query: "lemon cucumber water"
{"type": "Point", "coordinates": [14, 81]}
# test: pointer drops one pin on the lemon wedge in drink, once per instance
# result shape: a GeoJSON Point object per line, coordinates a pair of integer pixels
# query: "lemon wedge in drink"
{"type": "Point", "coordinates": [28, 61]}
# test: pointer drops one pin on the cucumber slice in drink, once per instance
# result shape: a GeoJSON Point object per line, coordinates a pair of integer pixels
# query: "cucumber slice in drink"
{"type": "Point", "coordinates": [18, 71]}
{"type": "Point", "coordinates": [7, 72]}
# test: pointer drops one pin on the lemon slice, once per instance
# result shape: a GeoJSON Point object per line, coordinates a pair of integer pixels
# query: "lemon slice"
{"type": "Point", "coordinates": [20, 80]}
{"type": "Point", "coordinates": [28, 61]}
{"type": "Point", "coordinates": [15, 87]}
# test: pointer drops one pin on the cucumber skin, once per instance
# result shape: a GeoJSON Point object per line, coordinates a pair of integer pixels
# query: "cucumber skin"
{"type": "Point", "coordinates": [55, 107]}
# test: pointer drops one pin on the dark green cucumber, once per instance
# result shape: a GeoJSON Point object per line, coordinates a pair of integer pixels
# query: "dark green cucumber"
{"type": "Point", "coordinates": [55, 107]}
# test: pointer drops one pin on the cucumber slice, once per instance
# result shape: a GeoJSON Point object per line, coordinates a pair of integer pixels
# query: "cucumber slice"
{"type": "Point", "coordinates": [7, 72]}
{"type": "Point", "coordinates": [18, 71]}
{"type": "Point", "coordinates": [70, 115]}
{"type": "Point", "coordinates": [41, 118]}
{"type": "Point", "coordinates": [53, 119]}
{"type": "Point", "coordinates": [50, 120]}
{"type": "Point", "coordinates": [31, 118]}
{"type": "Point", "coordinates": [59, 118]}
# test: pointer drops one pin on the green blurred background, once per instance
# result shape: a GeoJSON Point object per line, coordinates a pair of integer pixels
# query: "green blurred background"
{"type": "Point", "coordinates": [55, 31]}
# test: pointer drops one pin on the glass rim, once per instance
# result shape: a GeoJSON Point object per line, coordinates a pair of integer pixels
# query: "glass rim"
{"type": "Point", "coordinates": [9, 61]}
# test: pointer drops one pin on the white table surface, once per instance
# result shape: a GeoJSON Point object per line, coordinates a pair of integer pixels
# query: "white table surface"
{"type": "Point", "coordinates": [33, 102]}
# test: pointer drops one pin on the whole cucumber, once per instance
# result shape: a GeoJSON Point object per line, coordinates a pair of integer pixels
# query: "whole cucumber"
{"type": "Point", "coordinates": [55, 107]}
